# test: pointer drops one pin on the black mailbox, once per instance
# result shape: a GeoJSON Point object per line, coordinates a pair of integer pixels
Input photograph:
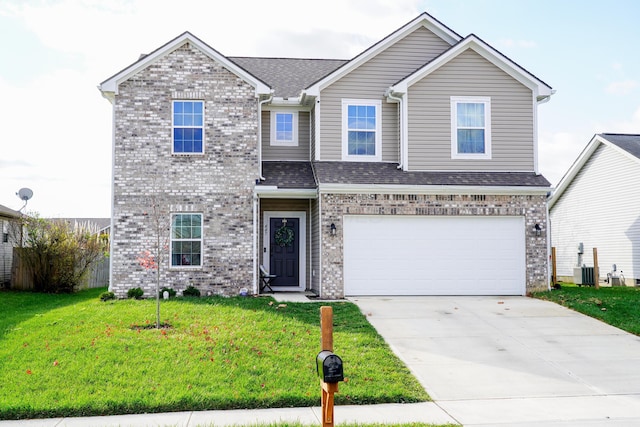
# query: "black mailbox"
{"type": "Point", "coordinates": [329, 367]}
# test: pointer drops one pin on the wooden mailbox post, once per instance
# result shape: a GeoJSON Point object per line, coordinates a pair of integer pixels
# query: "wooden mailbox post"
{"type": "Point", "coordinates": [327, 388]}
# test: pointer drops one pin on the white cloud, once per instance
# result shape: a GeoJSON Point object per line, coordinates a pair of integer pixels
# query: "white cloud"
{"type": "Point", "coordinates": [558, 151]}
{"type": "Point", "coordinates": [630, 125]}
{"type": "Point", "coordinates": [623, 87]}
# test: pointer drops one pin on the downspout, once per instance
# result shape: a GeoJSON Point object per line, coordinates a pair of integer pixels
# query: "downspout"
{"type": "Point", "coordinates": [255, 243]}
{"type": "Point", "coordinates": [260, 104]}
{"type": "Point", "coordinates": [255, 196]}
{"type": "Point", "coordinates": [549, 242]}
{"type": "Point", "coordinates": [398, 100]}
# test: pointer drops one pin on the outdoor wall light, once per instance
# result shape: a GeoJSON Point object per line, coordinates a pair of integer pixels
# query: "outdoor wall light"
{"type": "Point", "coordinates": [537, 230]}
{"type": "Point", "coordinates": [333, 229]}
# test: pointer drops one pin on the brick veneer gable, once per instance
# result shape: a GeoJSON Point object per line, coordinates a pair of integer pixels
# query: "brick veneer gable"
{"type": "Point", "coordinates": [218, 183]}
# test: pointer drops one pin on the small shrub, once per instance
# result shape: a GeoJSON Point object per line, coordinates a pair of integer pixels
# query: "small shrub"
{"type": "Point", "coordinates": [136, 293]}
{"type": "Point", "coordinates": [191, 292]}
{"type": "Point", "coordinates": [106, 296]}
{"type": "Point", "coordinates": [172, 292]}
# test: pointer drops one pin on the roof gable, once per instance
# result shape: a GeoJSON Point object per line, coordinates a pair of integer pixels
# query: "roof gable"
{"type": "Point", "coordinates": [423, 20]}
{"type": "Point", "coordinates": [540, 88]}
{"type": "Point", "coordinates": [626, 144]}
{"type": "Point", "coordinates": [109, 87]}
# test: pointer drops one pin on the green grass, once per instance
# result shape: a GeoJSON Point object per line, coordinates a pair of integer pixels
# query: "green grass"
{"type": "Point", "coordinates": [73, 355]}
{"type": "Point", "coordinates": [617, 306]}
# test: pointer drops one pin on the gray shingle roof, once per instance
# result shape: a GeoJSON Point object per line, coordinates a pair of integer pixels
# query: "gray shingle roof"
{"type": "Point", "coordinates": [300, 175]}
{"type": "Point", "coordinates": [288, 76]}
{"type": "Point", "coordinates": [288, 175]}
{"type": "Point", "coordinates": [628, 142]}
{"type": "Point", "coordinates": [389, 174]}
{"type": "Point", "coordinates": [8, 213]}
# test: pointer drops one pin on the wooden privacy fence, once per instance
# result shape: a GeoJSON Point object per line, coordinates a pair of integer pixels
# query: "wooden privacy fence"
{"type": "Point", "coordinates": [21, 276]}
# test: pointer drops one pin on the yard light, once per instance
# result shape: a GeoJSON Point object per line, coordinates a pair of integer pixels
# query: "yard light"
{"type": "Point", "coordinates": [333, 229]}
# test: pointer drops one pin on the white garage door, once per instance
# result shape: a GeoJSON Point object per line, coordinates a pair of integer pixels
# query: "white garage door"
{"type": "Point", "coordinates": [417, 255]}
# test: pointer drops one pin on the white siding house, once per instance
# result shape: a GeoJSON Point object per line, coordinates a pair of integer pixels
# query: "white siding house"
{"type": "Point", "coordinates": [8, 217]}
{"type": "Point", "coordinates": [597, 203]}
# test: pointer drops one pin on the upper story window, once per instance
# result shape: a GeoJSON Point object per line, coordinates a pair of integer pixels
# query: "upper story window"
{"type": "Point", "coordinates": [361, 130]}
{"type": "Point", "coordinates": [188, 127]}
{"type": "Point", "coordinates": [284, 128]}
{"type": "Point", "coordinates": [470, 127]}
{"type": "Point", "coordinates": [186, 240]}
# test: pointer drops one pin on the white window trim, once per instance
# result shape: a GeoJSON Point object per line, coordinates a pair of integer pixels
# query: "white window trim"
{"type": "Point", "coordinates": [173, 126]}
{"type": "Point", "coordinates": [273, 140]}
{"type": "Point", "coordinates": [455, 100]}
{"type": "Point", "coordinates": [345, 131]}
{"type": "Point", "coordinates": [171, 240]}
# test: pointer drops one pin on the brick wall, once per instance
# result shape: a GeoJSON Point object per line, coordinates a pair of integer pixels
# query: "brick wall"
{"type": "Point", "coordinates": [218, 184]}
{"type": "Point", "coordinates": [335, 206]}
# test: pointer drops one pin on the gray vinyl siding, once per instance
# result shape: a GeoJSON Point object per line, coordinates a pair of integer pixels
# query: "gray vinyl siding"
{"type": "Point", "coordinates": [312, 135]}
{"type": "Point", "coordinates": [285, 205]}
{"type": "Point", "coordinates": [369, 81]}
{"type": "Point", "coordinates": [299, 153]}
{"type": "Point", "coordinates": [600, 209]}
{"type": "Point", "coordinates": [429, 117]}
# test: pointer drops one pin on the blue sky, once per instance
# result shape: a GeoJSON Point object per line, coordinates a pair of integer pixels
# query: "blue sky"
{"type": "Point", "coordinates": [56, 127]}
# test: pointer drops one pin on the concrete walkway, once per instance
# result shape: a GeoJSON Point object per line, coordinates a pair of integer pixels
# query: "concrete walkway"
{"type": "Point", "coordinates": [513, 361]}
{"type": "Point", "coordinates": [486, 361]}
{"type": "Point", "coordinates": [392, 413]}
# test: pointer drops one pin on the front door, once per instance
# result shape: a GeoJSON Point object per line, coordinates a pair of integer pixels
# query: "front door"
{"type": "Point", "coordinates": [284, 251]}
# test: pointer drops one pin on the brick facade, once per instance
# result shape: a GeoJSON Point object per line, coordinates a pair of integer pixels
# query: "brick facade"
{"type": "Point", "coordinates": [218, 184]}
{"type": "Point", "coordinates": [336, 206]}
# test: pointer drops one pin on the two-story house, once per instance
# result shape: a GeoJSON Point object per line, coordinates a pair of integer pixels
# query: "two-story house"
{"type": "Point", "coordinates": [410, 169]}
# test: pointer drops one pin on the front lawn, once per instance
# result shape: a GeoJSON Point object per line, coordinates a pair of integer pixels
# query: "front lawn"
{"type": "Point", "coordinates": [617, 306]}
{"type": "Point", "coordinates": [73, 355]}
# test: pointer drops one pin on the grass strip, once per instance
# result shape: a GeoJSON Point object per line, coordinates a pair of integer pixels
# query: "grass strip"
{"type": "Point", "coordinates": [617, 306]}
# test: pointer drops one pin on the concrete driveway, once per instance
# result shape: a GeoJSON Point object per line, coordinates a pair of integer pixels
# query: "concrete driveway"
{"type": "Point", "coordinates": [513, 360]}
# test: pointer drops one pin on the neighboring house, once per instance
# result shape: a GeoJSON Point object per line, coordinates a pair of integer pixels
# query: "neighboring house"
{"type": "Point", "coordinates": [597, 205]}
{"type": "Point", "coordinates": [100, 225]}
{"type": "Point", "coordinates": [410, 169]}
{"type": "Point", "coordinates": [9, 225]}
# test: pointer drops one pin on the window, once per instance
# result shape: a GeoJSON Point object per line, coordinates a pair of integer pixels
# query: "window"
{"type": "Point", "coordinates": [188, 126]}
{"type": "Point", "coordinates": [470, 127]}
{"type": "Point", "coordinates": [361, 134]}
{"type": "Point", "coordinates": [284, 128]}
{"type": "Point", "coordinates": [186, 240]}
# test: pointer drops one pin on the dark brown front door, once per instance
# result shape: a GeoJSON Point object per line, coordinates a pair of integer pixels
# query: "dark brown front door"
{"type": "Point", "coordinates": [284, 251]}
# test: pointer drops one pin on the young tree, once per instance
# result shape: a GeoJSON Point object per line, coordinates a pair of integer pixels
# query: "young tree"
{"type": "Point", "coordinates": [158, 218]}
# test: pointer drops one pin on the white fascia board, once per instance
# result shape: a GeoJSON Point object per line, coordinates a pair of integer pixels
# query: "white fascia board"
{"type": "Point", "coordinates": [423, 20]}
{"type": "Point", "coordinates": [429, 189]}
{"type": "Point", "coordinates": [579, 163]}
{"type": "Point", "coordinates": [273, 192]}
{"type": "Point", "coordinates": [111, 84]}
{"type": "Point", "coordinates": [288, 105]}
{"type": "Point", "coordinates": [575, 168]}
{"type": "Point", "coordinates": [540, 89]}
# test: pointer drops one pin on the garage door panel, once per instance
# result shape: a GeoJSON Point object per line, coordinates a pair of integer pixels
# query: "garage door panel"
{"type": "Point", "coordinates": [427, 255]}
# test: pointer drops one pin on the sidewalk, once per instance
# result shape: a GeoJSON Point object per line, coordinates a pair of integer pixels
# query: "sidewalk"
{"type": "Point", "coordinates": [388, 413]}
